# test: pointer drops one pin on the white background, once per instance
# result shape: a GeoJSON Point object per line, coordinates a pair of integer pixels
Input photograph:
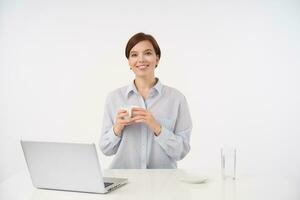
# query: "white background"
{"type": "Point", "coordinates": [237, 63]}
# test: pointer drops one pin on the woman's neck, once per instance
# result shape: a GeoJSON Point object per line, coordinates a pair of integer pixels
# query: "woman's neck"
{"type": "Point", "coordinates": [145, 84]}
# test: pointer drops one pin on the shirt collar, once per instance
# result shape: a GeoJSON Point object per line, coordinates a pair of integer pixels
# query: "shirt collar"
{"type": "Point", "coordinates": [158, 86]}
{"type": "Point", "coordinates": [132, 88]}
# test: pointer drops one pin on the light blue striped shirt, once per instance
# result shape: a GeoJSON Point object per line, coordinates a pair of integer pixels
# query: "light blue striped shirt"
{"type": "Point", "coordinates": [138, 147]}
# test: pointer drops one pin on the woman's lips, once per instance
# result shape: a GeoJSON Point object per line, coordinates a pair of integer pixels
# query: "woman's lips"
{"type": "Point", "coordinates": [142, 67]}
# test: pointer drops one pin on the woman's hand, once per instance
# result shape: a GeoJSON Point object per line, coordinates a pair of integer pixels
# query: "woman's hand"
{"type": "Point", "coordinates": [144, 116]}
{"type": "Point", "coordinates": [121, 122]}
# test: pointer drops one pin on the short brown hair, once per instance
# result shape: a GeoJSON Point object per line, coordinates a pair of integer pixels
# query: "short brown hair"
{"type": "Point", "coordinates": [141, 37]}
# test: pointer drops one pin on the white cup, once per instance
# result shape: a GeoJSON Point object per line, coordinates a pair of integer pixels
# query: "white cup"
{"type": "Point", "coordinates": [228, 163]}
{"type": "Point", "coordinates": [128, 108]}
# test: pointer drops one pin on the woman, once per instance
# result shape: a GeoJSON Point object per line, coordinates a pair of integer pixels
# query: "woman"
{"type": "Point", "coordinates": [157, 134]}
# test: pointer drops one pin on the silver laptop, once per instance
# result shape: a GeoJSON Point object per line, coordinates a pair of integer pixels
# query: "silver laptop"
{"type": "Point", "coordinates": [67, 166]}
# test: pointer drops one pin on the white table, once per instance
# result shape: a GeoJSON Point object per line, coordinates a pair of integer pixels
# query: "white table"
{"type": "Point", "coordinates": [162, 184]}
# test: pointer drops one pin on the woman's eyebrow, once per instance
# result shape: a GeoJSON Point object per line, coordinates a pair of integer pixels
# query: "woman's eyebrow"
{"type": "Point", "coordinates": [143, 51]}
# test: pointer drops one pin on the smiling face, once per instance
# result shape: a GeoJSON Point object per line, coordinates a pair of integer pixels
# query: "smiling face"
{"type": "Point", "coordinates": [143, 59]}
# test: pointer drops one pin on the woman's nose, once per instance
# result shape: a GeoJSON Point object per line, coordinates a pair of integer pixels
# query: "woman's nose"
{"type": "Point", "coordinates": [140, 58]}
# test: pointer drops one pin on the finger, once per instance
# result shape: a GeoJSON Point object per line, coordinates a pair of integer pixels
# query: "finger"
{"type": "Point", "coordinates": [143, 113]}
{"type": "Point", "coordinates": [123, 123]}
{"type": "Point", "coordinates": [140, 121]}
{"type": "Point", "coordinates": [122, 119]}
{"type": "Point", "coordinates": [138, 109]}
{"type": "Point", "coordinates": [121, 111]}
{"type": "Point", "coordinates": [122, 115]}
{"type": "Point", "coordinates": [130, 123]}
{"type": "Point", "coordinates": [138, 118]}
{"type": "Point", "coordinates": [127, 121]}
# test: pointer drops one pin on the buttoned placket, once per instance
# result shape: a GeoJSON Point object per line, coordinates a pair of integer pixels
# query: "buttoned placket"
{"type": "Point", "coordinates": [144, 130]}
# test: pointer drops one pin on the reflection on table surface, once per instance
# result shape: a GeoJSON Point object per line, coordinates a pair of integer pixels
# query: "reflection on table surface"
{"type": "Point", "coordinates": [162, 184]}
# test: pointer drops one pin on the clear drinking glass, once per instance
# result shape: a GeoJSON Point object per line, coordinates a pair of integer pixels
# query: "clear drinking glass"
{"type": "Point", "coordinates": [228, 163]}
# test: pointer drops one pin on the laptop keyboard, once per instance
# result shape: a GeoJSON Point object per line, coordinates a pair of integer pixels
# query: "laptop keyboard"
{"type": "Point", "coordinates": [106, 184]}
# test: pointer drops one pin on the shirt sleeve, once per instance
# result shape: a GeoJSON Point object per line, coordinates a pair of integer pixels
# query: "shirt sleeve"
{"type": "Point", "coordinates": [109, 142]}
{"type": "Point", "coordinates": [176, 143]}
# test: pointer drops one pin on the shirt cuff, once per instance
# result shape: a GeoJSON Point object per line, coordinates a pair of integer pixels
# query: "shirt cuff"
{"type": "Point", "coordinates": [112, 136]}
{"type": "Point", "coordinates": [164, 135]}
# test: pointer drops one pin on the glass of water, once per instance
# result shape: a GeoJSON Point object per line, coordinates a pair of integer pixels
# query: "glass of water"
{"type": "Point", "coordinates": [228, 163]}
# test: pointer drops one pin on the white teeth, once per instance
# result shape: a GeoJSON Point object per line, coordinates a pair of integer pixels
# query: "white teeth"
{"type": "Point", "coordinates": [142, 66]}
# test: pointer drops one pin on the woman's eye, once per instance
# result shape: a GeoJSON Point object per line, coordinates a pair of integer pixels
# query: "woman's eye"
{"type": "Point", "coordinates": [133, 55]}
{"type": "Point", "coordinates": [148, 53]}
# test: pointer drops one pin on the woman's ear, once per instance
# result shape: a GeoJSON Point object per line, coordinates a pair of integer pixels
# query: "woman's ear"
{"type": "Point", "coordinates": [157, 60]}
{"type": "Point", "coordinates": [129, 65]}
